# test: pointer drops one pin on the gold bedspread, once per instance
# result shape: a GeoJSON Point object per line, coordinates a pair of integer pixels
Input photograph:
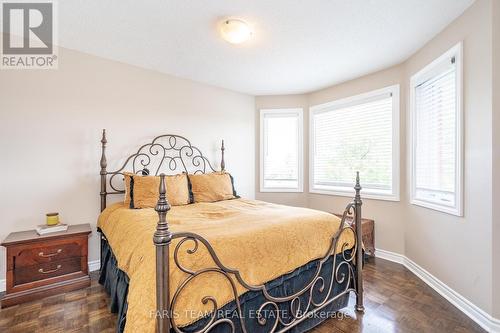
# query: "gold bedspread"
{"type": "Point", "coordinates": [261, 240]}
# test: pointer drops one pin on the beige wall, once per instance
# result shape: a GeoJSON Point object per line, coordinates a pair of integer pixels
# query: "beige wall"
{"type": "Point", "coordinates": [456, 250]}
{"type": "Point", "coordinates": [50, 124]}
{"type": "Point", "coordinates": [496, 158]}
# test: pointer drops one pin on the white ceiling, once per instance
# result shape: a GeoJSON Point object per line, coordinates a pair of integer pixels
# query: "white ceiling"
{"type": "Point", "coordinates": [298, 45]}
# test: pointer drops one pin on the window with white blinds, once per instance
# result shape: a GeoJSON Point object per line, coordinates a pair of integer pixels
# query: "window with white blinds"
{"type": "Point", "coordinates": [281, 150]}
{"type": "Point", "coordinates": [436, 134]}
{"type": "Point", "coordinates": [360, 133]}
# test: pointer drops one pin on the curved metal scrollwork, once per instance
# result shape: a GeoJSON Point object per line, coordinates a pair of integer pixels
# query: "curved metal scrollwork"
{"type": "Point", "coordinates": [167, 154]}
{"type": "Point", "coordinates": [314, 296]}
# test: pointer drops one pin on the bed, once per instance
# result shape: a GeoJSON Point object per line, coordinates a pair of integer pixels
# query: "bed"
{"type": "Point", "coordinates": [236, 265]}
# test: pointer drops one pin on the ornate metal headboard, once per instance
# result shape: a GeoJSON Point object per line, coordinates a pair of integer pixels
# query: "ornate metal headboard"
{"type": "Point", "coordinates": [167, 154]}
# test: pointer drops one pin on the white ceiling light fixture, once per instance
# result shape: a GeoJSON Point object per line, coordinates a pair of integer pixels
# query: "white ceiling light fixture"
{"type": "Point", "coordinates": [235, 31]}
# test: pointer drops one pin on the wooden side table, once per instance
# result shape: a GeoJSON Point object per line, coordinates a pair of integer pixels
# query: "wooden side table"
{"type": "Point", "coordinates": [40, 266]}
{"type": "Point", "coordinates": [368, 228]}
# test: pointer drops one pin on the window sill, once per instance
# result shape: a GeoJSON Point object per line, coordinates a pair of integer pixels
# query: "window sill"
{"type": "Point", "coordinates": [448, 210]}
{"type": "Point", "coordinates": [281, 190]}
{"type": "Point", "coordinates": [350, 194]}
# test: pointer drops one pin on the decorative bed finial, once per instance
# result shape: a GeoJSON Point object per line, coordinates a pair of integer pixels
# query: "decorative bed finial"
{"type": "Point", "coordinates": [162, 207]}
{"type": "Point", "coordinates": [162, 238]}
{"type": "Point", "coordinates": [222, 163]}
{"type": "Point", "coordinates": [103, 140]}
{"type": "Point", "coordinates": [162, 235]}
{"type": "Point", "coordinates": [357, 187]}
{"type": "Point", "coordinates": [103, 173]}
{"type": "Point", "coordinates": [104, 163]}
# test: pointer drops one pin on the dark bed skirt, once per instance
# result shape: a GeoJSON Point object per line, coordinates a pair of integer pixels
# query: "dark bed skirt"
{"type": "Point", "coordinates": [116, 283]}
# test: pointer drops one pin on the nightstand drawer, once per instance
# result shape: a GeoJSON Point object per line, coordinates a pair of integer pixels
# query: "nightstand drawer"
{"type": "Point", "coordinates": [46, 270]}
{"type": "Point", "coordinates": [47, 253]}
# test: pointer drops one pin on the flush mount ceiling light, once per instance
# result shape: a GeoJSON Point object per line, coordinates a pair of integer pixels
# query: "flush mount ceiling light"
{"type": "Point", "coordinates": [235, 31]}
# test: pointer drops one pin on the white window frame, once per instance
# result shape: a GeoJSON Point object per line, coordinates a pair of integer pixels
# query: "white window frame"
{"type": "Point", "coordinates": [300, 114]}
{"type": "Point", "coordinates": [424, 74]}
{"type": "Point", "coordinates": [353, 100]}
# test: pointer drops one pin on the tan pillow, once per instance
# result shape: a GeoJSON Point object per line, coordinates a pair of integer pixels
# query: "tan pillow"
{"type": "Point", "coordinates": [143, 191]}
{"type": "Point", "coordinates": [212, 187]}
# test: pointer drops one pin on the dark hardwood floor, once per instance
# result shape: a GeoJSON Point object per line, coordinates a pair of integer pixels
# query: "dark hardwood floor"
{"type": "Point", "coordinates": [398, 301]}
{"type": "Point", "coordinates": [395, 300]}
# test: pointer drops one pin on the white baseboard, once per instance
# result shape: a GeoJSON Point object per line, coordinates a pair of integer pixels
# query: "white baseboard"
{"type": "Point", "coordinates": [482, 318]}
{"type": "Point", "coordinates": [391, 256]}
{"type": "Point", "coordinates": [495, 325]}
{"type": "Point", "coordinates": [93, 266]}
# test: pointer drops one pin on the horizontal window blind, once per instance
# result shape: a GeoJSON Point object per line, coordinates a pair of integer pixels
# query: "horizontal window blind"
{"type": "Point", "coordinates": [281, 165]}
{"type": "Point", "coordinates": [354, 137]}
{"type": "Point", "coordinates": [435, 138]}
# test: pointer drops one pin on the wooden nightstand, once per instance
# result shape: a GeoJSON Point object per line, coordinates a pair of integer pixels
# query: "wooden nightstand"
{"type": "Point", "coordinates": [39, 266]}
{"type": "Point", "coordinates": [368, 227]}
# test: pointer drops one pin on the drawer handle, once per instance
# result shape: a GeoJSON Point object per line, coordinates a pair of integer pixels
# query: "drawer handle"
{"type": "Point", "coordinates": [51, 271]}
{"type": "Point", "coordinates": [41, 254]}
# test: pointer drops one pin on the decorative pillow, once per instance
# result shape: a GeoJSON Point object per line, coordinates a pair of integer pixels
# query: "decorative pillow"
{"type": "Point", "coordinates": [212, 187]}
{"type": "Point", "coordinates": [143, 191]}
{"type": "Point", "coordinates": [127, 179]}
